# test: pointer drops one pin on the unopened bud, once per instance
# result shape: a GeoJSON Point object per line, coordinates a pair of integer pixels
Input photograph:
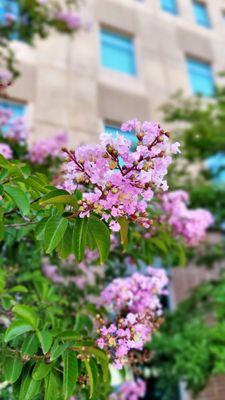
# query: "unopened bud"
{"type": "Point", "coordinates": [140, 136]}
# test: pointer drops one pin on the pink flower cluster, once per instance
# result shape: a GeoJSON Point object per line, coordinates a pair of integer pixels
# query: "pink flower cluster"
{"type": "Point", "coordinates": [6, 151]}
{"type": "Point", "coordinates": [136, 307]}
{"type": "Point", "coordinates": [130, 390]}
{"type": "Point", "coordinates": [5, 78]}
{"type": "Point", "coordinates": [138, 292]}
{"type": "Point", "coordinates": [191, 224]}
{"type": "Point", "coordinates": [85, 274]}
{"type": "Point", "coordinates": [71, 19]}
{"type": "Point", "coordinates": [120, 182]}
{"type": "Point", "coordinates": [42, 149]}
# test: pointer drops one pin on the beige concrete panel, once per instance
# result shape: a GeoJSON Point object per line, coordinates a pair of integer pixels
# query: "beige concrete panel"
{"type": "Point", "coordinates": [53, 51]}
{"type": "Point", "coordinates": [24, 88]}
{"type": "Point", "coordinates": [82, 104]}
{"type": "Point", "coordinates": [52, 96]}
{"type": "Point", "coordinates": [83, 53]}
{"type": "Point", "coordinates": [117, 15]}
{"type": "Point", "coordinates": [197, 45]}
{"type": "Point", "coordinates": [118, 105]}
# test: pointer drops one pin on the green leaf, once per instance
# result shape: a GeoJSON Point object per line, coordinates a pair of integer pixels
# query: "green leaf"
{"type": "Point", "coordinates": [29, 388]}
{"type": "Point", "coordinates": [17, 328]}
{"type": "Point", "coordinates": [12, 368]}
{"type": "Point", "coordinates": [40, 229]}
{"type": "Point", "coordinates": [124, 224]}
{"type": "Point", "coordinates": [159, 243]}
{"type": "Point", "coordinates": [54, 231]}
{"type": "Point", "coordinates": [45, 339]}
{"type": "Point", "coordinates": [69, 335]}
{"type": "Point", "coordinates": [64, 248]}
{"type": "Point", "coordinates": [7, 302]}
{"type": "Point", "coordinates": [101, 235]}
{"type": "Point", "coordinates": [66, 199]}
{"type": "Point", "coordinates": [103, 360]}
{"type": "Point", "coordinates": [83, 321]}
{"type": "Point", "coordinates": [41, 370]}
{"type": "Point", "coordinates": [19, 197]}
{"type": "Point", "coordinates": [27, 313]}
{"type": "Point", "coordinates": [90, 377]}
{"type": "Point", "coordinates": [37, 184]}
{"type": "Point", "coordinates": [53, 194]}
{"type": "Point", "coordinates": [51, 387]}
{"type": "Point", "coordinates": [57, 350]}
{"type": "Point", "coordinates": [2, 227]}
{"type": "Point", "coordinates": [19, 289]}
{"type": "Point", "coordinates": [30, 345]}
{"type": "Point", "coordinates": [4, 163]}
{"type": "Point", "coordinates": [80, 238]}
{"type": "Point", "coordinates": [70, 373]}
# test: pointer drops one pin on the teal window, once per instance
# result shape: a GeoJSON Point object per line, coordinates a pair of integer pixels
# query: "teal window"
{"type": "Point", "coordinates": [8, 7]}
{"type": "Point", "coordinates": [18, 109]}
{"type": "Point", "coordinates": [201, 14]}
{"type": "Point", "coordinates": [170, 6]}
{"type": "Point", "coordinates": [216, 165]}
{"type": "Point", "coordinates": [117, 52]}
{"type": "Point", "coordinates": [201, 77]}
{"type": "Point", "coordinates": [113, 129]}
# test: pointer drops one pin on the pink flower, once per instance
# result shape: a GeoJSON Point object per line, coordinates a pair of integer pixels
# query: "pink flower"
{"type": "Point", "coordinates": [114, 226]}
{"type": "Point", "coordinates": [124, 179]}
{"type": "Point", "coordinates": [6, 151]}
{"type": "Point", "coordinates": [50, 147]}
{"type": "Point", "coordinates": [72, 20]}
{"type": "Point", "coordinates": [130, 390]}
{"type": "Point", "coordinates": [191, 224]}
{"type": "Point", "coordinates": [135, 304]}
{"type": "Point", "coordinates": [5, 78]}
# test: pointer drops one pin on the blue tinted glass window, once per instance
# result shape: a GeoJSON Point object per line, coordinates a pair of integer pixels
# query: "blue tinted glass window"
{"type": "Point", "coordinates": [18, 109]}
{"type": "Point", "coordinates": [8, 7]}
{"type": "Point", "coordinates": [217, 166]}
{"type": "Point", "coordinates": [117, 52]}
{"type": "Point", "coordinates": [170, 6]}
{"type": "Point", "coordinates": [114, 129]}
{"type": "Point", "coordinates": [201, 14]}
{"type": "Point", "coordinates": [200, 77]}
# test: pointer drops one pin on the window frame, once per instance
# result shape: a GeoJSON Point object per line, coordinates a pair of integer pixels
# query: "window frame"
{"type": "Point", "coordinates": [119, 40]}
{"type": "Point", "coordinates": [203, 19]}
{"type": "Point", "coordinates": [172, 9]}
{"type": "Point", "coordinates": [195, 69]}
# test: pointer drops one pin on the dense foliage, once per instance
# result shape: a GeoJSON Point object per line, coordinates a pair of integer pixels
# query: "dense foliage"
{"type": "Point", "coordinates": [105, 204]}
{"type": "Point", "coordinates": [190, 346]}
{"type": "Point", "coordinates": [198, 324]}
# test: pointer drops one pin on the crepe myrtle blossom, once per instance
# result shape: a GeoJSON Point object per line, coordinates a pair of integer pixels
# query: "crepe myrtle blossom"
{"type": "Point", "coordinates": [128, 333]}
{"type": "Point", "coordinates": [71, 19]}
{"type": "Point", "coordinates": [138, 293]}
{"type": "Point", "coordinates": [118, 180]}
{"type": "Point", "coordinates": [130, 390]}
{"type": "Point", "coordinates": [10, 18]}
{"type": "Point", "coordinates": [5, 78]}
{"type": "Point", "coordinates": [136, 311]}
{"type": "Point", "coordinates": [86, 275]}
{"type": "Point", "coordinates": [191, 224]}
{"type": "Point", "coordinates": [44, 148]}
{"type": "Point", "coordinates": [6, 151]}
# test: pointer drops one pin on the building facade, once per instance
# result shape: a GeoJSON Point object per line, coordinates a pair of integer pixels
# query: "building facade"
{"type": "Point", "coordinates": [136, 54]}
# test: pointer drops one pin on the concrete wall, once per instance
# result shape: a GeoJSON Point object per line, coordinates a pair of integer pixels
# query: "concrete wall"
{"type": "Point", "coordinates": [65, 87]}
